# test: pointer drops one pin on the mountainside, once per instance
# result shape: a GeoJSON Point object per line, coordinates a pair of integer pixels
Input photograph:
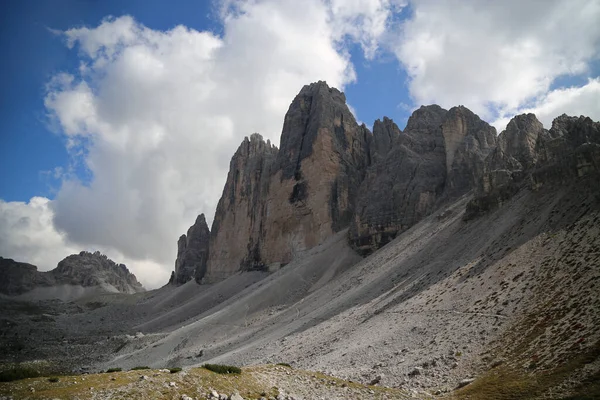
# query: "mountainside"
{"type": "Point", "coordinates": [86, 270]}
{"type": "Point", "coordinates": [438, 260]}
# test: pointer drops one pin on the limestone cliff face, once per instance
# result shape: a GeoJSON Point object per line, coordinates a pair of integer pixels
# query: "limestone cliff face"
{"type": "Point", "coordinates": [192, 253]}
{"type": "Point", "coordinates": [330, 174]}
{"type": "Point", "coordinates": [319, 168]}
{"type": "Point", "coordinates": [468, 141]}
{"type": "Point", "coordinates": [238, 226]}
{"type": "Point", "coordinates": [384, 134]}
{"type": "Point", "coordinates": [529, 156]}
{"type": "Point", "coordinates": [277, 203]}
{"type": "Point", "coordinates": [439, 155]}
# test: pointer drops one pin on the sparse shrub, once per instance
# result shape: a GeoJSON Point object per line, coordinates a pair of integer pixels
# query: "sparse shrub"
{"type": "Point", "coordinates": [108, 371]}
{"type": "Point", "coordinates": [139, 368]}
{"type": "Point", "coordinates": [14, 374]}
{"type": "Point", "coordinates": [174, 370]}
{"type": "Point", "coordinates": [222, 369]}
{"type": "Point", "coordinates": [458, 353]}
{"type": "Point", "coordinates": [285, 365]}
{"type": "Point", "coordinates": [53, 379]}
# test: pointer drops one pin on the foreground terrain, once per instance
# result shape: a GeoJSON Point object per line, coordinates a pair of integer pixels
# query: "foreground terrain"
{"type": "Point", "coordinates": [267, 381]}
{"type": "Point", "coordinates": [508, 300]}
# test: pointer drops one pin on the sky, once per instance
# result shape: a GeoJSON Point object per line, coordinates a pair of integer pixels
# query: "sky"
{"type": "Point", "coordinates": [118, 118]}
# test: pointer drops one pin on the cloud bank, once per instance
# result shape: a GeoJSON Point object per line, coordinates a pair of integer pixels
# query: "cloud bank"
{"type": "Point", "coordinates": [154, 116]}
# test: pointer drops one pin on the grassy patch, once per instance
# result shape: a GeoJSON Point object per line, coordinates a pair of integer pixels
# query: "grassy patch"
{"type": "Point", "coordinates": [53, 379]}
{"type": "Point", "coordinates": [508, 383]}
{"type": "Point", "coordinates": [111, 370]}
{"type": "Point", "coordinates": [284, 365]}
{"type": "Point", "coordinates": [174, 370]}
{"type": "Point", "coordinates": [15, 374]}
{"type": "Point", "coordinates": [139, 368]}
{"type": "Point", "coordinates": [222, 369]}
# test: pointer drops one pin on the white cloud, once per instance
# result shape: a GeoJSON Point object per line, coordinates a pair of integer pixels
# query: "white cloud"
{"type": "Point", "coordinates": [495, 57]}
{"type": "Point", "coordinates": [28, 234]}
{"type": "Point", "coordinates": [155, 116]}
{"type": "Point", "coordinates": [574, 101]}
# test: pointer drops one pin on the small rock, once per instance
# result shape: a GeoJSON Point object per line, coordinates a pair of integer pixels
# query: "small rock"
{"type": "Point", "coordinates": [497, 363]}
{"type": "Point", "coordinates": [186, 397]}
{"type": "Point", "coordinates": [376, 380]}
{"type": "Point", "coordinates": [416, 371]}
{"type": "Point", "coordinates": [464, 382]}
{"type": "Point", "coordinates": [144, 378]}
{"type": "Point", "coordinates": [223, 396]}
{"type": "Point", "coordinates": [172, 384]}
{"type": "Point", "coordinates": [214, 393]}
{"type": "Point", "coordinates": [236, 396]}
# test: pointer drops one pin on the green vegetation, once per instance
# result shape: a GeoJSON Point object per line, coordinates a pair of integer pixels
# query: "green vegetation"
{"type": "Point", "coordinates": [113, 370]}
{"type": "Point", "coordinates": [139, 368]}
{"type": "Point", "coordinates": [509, 383]}
{"type": "Point", "coordinates": [284, 365]}
{"type": "Point", "coordinates": [222, 369]}
{"type": "Point", "coordinates": [17, 373]}
{"type": "Point", "coordinates": [53, 379]}
{"type": "Point", "coordinates": [174, 370]}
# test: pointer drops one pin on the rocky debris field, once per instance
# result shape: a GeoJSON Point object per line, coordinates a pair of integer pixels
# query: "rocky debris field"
{"type": "Point", "coordinates": [265, 382]}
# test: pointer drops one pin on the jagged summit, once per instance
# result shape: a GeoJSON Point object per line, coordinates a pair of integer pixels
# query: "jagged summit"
{"type": "Point", "coordinates": [87, 270]}
{"type": "Point", "coordinates": [330, 174]}
{"type": "Point", "coordinates": [192, 253]}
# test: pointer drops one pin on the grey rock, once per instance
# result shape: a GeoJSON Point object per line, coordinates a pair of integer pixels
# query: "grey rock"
{"type": "Point", "coordinates": [465, 382]}
{"type": "Point", "coordinates": [272, 195]}
{"type": "Point", "coordinates": [440, 155]}
{"type": "Point", "coordinates": [192, 253]}
{"type": "Point", "coordinates": [528, 156]}
{"type": "Point", "coordinates": [384, 135]}
{"type": "Point", "coordinates": [84, 269]}
{"type": "Point", "coordinates": [236, 396]}
{"type": "Point", "coordinates": [240, 213]}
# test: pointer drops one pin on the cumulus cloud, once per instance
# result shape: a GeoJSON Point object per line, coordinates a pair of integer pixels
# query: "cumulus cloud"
{"type": "Point", "coordinates": [495, 57]}
{"type": "Point", "coordinates": [28, 233]}
{"type": "Point", "coordinates": [576, 101]}
{"type": "Point", "coordinates": [154, 117]}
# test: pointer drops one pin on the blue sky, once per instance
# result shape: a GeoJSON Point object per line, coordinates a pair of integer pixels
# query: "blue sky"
{"type": "Point", "coordinates": [31, 150]}
{"type": "Point", "coordinates": [119, 118]}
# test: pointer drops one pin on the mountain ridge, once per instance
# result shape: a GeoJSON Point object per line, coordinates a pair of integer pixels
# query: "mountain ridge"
{"type": "Point", "coordinates": [85, 269]}
{"type": "Point", "coordinates": [331, 174]}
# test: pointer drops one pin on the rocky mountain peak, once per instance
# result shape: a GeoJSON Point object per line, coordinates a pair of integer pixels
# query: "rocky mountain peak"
{"type": "Point", "coordinates": [439, 155]}
{"type": "Point", "coordinates": [316, 107]}
{"type": "Point", "coordinates": [92, 269]}
{"type": "Point", "coordinates": [529, 156]}
{"type": "Point", "coordinates": [516, 144]}
{"type": "Point", "coordinates": [384, 134]}
{"type": "Point", "coordinates": [84, 269]}
{"type": "Point", "coordinates": [426, 119]}
{"type": "Point", "coordinates": [192, 253]}
{"type": "Point", "coordinates": [278, 202]}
